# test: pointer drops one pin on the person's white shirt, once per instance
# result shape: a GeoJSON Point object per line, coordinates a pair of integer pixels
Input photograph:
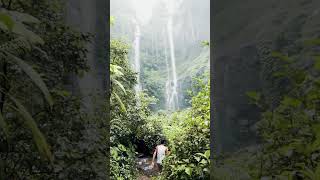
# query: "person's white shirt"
{"type": "Point", "coordinates": [161, 153]}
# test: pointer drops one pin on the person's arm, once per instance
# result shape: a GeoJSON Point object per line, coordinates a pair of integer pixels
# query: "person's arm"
{"type": "Point", "coordinates": [154, 155]}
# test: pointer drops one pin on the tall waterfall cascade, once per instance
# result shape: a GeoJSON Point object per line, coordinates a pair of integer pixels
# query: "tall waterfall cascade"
{"type": "Point", "coordinates": [143, 14]}
{"type": "Point", "coordinates": [137, 63]}
{"type": "Point", "coordinates": [172, 82]}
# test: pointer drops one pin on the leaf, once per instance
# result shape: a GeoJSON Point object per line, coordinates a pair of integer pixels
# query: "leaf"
{"type": "Point", "coordinates": [120, 85]}
{"type": "Point", "coordinates": [188, 170]}
{"type": "Point", "coordinates": [21, 30]}
{"type": "Point", "coordinates": [317, 172]}
{"type": "Point", "coordinates": [253, 95]}
{"type": "Point", "coordinates": [22, 17]}
{"type": "Point", "coordinates": [317, 63]}
{"type": "Point", "coordinates": [4, 126]}
{"type": "Point", "coordinates": [280, 56]}
{"type": "Point", "coordinates": [207, 154]}
{"type": "Point", "coordinates": [309, 173]}
{"type": "Point", "coordinates": [36, 78]}
{"type": "Point", "coordinates": [197, 158]}
{"type": "Point", "coordinates": [312, 42]}
{"type": "Point", "coordinates": [7, 20]}
{"type": "Point", "coordinates": [299, 76]}
{"type": "Point", "coordinates": [288, 101]}
{"type": "Point", "coordinates": [62, 93]}
{"type": "Point", "coordinates": [3, 26]}
{"type": "Point", "coordinates": [316, 130]}
{"type": "Point", "coordinates": [38, 137]}
{"type": "Point", "coordinates": [112, 20]}
{"type": "Point", "coordinates": [280, 74]}
{"type": "Point", "coordinates": [205, 43]}
{"type": "Point", "coordinates": [115, 70]}
{"type": "Point", "coordinates": [123, 108]}
{"type": "Point", "coordinates": [203, 161]}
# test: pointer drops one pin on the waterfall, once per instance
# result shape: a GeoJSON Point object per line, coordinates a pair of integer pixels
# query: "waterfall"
{"type": "Point", "coordinates": [143, 13]}
{"type": "Point", "coordinates": [168, 87]}
{"type": "Point", "coordinates": [137, 63]}
{"type": "Point", "coordinates": [172, 82]}
{"type": "Point", "coordinates": [173, 99]}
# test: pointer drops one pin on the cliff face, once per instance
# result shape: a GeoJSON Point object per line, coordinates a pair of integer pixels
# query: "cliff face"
{"type": "Point", "coordinates": [240, 30]}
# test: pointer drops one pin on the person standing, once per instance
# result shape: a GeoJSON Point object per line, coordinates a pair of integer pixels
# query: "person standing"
{"type": "Point", "coordinates": [160, 152]}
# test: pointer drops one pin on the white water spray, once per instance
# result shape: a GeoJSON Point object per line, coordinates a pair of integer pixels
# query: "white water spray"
{"type": "Point", "coordinates": [143, 13]}
{"type": "Point", "coordinates": [168, 87]}
{"type": "Point", "coordinates": [137, 65]}
{"type": "Point", "coordinates": [173, 82]}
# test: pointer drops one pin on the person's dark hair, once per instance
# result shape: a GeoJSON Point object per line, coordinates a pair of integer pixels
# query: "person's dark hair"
{"type": "Point", "coordinates": [163, 141]}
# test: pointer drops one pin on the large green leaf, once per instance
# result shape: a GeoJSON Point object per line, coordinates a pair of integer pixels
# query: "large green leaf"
{"type": "Point", "coordinates": [115, 70]}
{"type": "Point", "coordinates": [122, 106]}
{"type": "Point", "coordinates": [120, 85]}
{"type": "Point", "coordinates": [38, 137]}
{"type": "Point", "coordinates": [36, 78]}
{"type": "Point", "coordinates": [6, 20]}
{"type": "Point", "coordinates": [188, 170]}
{"type": "Point", "coordinates": [4, 126]}
{"type": "Point", "coordinates": [207, 154]}
{"type": "Point", "coordinates": [21, 30]}
{"type": "Point", "coordinates": [22, 17]}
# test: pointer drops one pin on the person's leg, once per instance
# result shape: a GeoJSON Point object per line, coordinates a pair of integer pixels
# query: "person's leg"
{"type": "Point", "coordinates": [159, 167]}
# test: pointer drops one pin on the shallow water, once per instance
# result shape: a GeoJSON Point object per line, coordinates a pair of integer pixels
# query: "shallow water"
{"type": "Point", "coordinates": [144, 166]}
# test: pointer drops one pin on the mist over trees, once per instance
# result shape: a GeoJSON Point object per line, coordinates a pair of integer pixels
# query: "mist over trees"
{"type": "Point", "coordinates": [190, 27]}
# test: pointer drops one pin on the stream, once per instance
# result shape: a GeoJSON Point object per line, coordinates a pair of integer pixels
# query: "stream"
{"type": "Point", "coordinates": [146, 171]}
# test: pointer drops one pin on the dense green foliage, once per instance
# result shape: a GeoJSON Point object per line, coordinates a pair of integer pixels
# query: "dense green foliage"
{"type": "Point", "coordinates": [291, 129]}
{"type": "Point", "coordinates": [128, 113]}
{"type": "Point", "coordinates": [59, 130]}
{"type": "Point", "coordinates": [123, 111]}
{"type": "Point", "coordinates": [189, 138]}
{"type": "Point", "coordinates": [289, 125]}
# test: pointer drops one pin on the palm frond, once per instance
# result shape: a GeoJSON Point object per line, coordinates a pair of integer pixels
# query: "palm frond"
{"type": "Point", "coordinates": [115, 70]}
{"type": "Point", "coordinates": [22, 17]}
{"type": "Point", "coordinates": [36, 78]}
{"type": "Point", "coordinates": [21, 30]}
{"type": "Point", "coordinates": [120, 85]}
{"type": "Point", "coordinates": [6, 20]}
{"type": "Point", "coordinates": [38, 137]}
{"type": "Point", "coordinates": [122, 106]}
